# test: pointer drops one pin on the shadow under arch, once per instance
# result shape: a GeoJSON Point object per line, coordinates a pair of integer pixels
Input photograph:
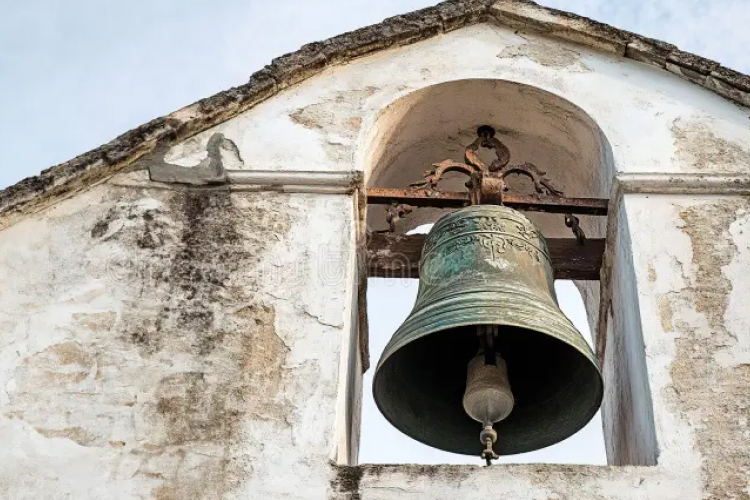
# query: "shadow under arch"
{"type": "Point", "coordinates": [436, 122]}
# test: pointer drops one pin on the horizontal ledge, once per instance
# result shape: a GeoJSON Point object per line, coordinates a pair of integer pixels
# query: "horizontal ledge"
{"type": "Point", "coordinates": [392, 255]}
{"type": "Point", "coordinates": [684, 183]}
{"type": "Point", "coordinates": [452, 199]}
{"type": "Point", "coordinates": [322, 182]}
{"type": "Point", "coordinates": [350, 180]}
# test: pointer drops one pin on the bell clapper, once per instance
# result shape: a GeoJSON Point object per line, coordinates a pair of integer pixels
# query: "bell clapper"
{"type": "Point", "coordinates": [488, 398]}
{"type": "Point", "coordinates": [488, 436]}
{"type": "Point", "coordinates": [487, 334]}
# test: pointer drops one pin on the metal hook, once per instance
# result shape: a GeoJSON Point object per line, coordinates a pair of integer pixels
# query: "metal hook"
{"type": "Point", "coordinates": [573, 223]}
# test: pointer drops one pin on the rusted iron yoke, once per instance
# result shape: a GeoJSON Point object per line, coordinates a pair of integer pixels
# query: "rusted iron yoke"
{"type": "Point", "coordinates": [486, 186]}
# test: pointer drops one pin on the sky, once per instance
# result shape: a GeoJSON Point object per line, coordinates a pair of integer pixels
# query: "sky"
{"type": "Point", "coordinates": [76, 73]}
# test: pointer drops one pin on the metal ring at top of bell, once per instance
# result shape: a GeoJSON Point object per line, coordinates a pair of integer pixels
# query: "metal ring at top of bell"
{"type": "Point", "coordinates": [486, 268]}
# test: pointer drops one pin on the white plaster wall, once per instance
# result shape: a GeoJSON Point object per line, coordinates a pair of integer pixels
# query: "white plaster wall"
{"type": "Point", "coordinates": [519, 482]}
{"type": "Point", "coordinates": [627, 407]}
{"type": "Point", "coordinates": [174, 345]}
{"type": "Point", "coordinates": [695, 333]}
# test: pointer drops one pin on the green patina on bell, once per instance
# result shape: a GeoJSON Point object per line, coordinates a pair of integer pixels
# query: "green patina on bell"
{"type": "Point", "coordinates": [487, 265]}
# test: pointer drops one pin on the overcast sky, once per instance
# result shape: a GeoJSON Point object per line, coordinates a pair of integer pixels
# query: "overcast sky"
{"type": "Point", "coordinates": [76, 73]}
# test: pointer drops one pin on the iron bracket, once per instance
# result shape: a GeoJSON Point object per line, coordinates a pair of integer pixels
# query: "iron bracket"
{"type": "Point", "coordinates": [487, 186]}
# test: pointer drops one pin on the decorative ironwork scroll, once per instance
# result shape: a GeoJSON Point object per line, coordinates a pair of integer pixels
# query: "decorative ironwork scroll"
{"type": "Point", "coordinates": [486, 183]}
{"type": "Point", "coordinates": [488, 180]}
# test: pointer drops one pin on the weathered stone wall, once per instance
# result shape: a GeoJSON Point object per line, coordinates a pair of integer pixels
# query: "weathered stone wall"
{"type": "Point", "coordinates": [161, 342]}
{"type": "Point", "coordinates": [692, 282]}
{"type": "Point", "coordinates": [173, 344]}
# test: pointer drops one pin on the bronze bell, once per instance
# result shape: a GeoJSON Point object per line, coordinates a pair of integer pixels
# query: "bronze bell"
{"type": "Point", "coordinates": [487, 309]}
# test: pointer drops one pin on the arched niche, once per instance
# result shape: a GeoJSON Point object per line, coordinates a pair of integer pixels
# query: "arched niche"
{"type": "Point", "coordinates": [437, 122]}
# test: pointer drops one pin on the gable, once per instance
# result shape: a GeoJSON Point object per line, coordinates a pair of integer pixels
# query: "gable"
{"type": "Point", "coordinates": [79, 173]}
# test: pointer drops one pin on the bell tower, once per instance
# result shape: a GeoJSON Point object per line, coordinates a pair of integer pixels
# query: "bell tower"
{"type": "Point", "coordinates": [183, 309]}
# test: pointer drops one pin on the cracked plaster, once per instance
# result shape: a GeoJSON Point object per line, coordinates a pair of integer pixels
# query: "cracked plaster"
{"type": "Point", "coordinates": [155, 355]}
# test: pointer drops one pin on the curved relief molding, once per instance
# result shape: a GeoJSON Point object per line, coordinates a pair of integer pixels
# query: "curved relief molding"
{"type": "Point", "coordinates": [730, 183]}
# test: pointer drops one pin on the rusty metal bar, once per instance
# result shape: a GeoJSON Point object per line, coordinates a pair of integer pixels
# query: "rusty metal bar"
{"type": "Point", "coordinates": [452, 199]}
{"type": "Point", "coordinates": [397, 256]}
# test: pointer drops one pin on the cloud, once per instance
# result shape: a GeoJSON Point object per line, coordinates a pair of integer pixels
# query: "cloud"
{"type": "Point", "coordinates": [716, 30]}
{"type": "Point", "coordinates": [75, 74]}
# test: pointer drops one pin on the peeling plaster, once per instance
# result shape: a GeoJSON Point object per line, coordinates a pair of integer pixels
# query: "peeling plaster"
{"type": "Point", "coordinates": [556, 57]}
{"type": "Point", "coordinates": [339, 119]}
{"type": "Point", "coordinates": [666, 314]}
{"type": "Point", "coordinates": [698, 146]}
{"type": "Point", "coordinates": [153, 342]}
{"type": "Point", "coordinates": [711, 394]}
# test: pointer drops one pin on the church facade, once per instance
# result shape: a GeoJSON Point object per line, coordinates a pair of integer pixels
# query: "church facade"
{"type": "Point", "coordinates": [183, 308]}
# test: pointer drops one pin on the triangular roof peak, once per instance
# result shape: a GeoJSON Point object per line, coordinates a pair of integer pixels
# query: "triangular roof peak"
{"type": "Point", "coordinates": [74, 175]}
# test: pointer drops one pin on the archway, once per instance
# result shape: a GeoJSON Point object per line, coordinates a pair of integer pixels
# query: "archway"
{"type": "Point", "coordinates": [436, 123]}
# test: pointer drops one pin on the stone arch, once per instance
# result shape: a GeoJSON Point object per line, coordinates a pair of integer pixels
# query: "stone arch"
{"type": "Point", "coordinates": [437, 122]}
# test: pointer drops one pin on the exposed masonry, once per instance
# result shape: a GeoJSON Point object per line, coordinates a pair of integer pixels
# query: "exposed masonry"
{"type": "Point", "coordinates": [212, 171]}
{"type": "Point", "coordinates": [209, 171]}
{"type": "Point", "coordinates": [712, 394]}
{"type": "Point", "coordinates": [67, 178]}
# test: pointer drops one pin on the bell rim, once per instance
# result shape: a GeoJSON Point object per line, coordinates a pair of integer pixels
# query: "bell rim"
{"type": "Point", "coordinates": [582, 423]}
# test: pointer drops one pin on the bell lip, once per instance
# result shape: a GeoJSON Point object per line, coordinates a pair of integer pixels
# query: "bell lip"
{"type": "Point", "coordinates": [584, 421]}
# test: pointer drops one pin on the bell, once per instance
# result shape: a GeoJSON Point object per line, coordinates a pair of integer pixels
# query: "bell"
{"type": "Point", "coordinates": [486, 312]}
